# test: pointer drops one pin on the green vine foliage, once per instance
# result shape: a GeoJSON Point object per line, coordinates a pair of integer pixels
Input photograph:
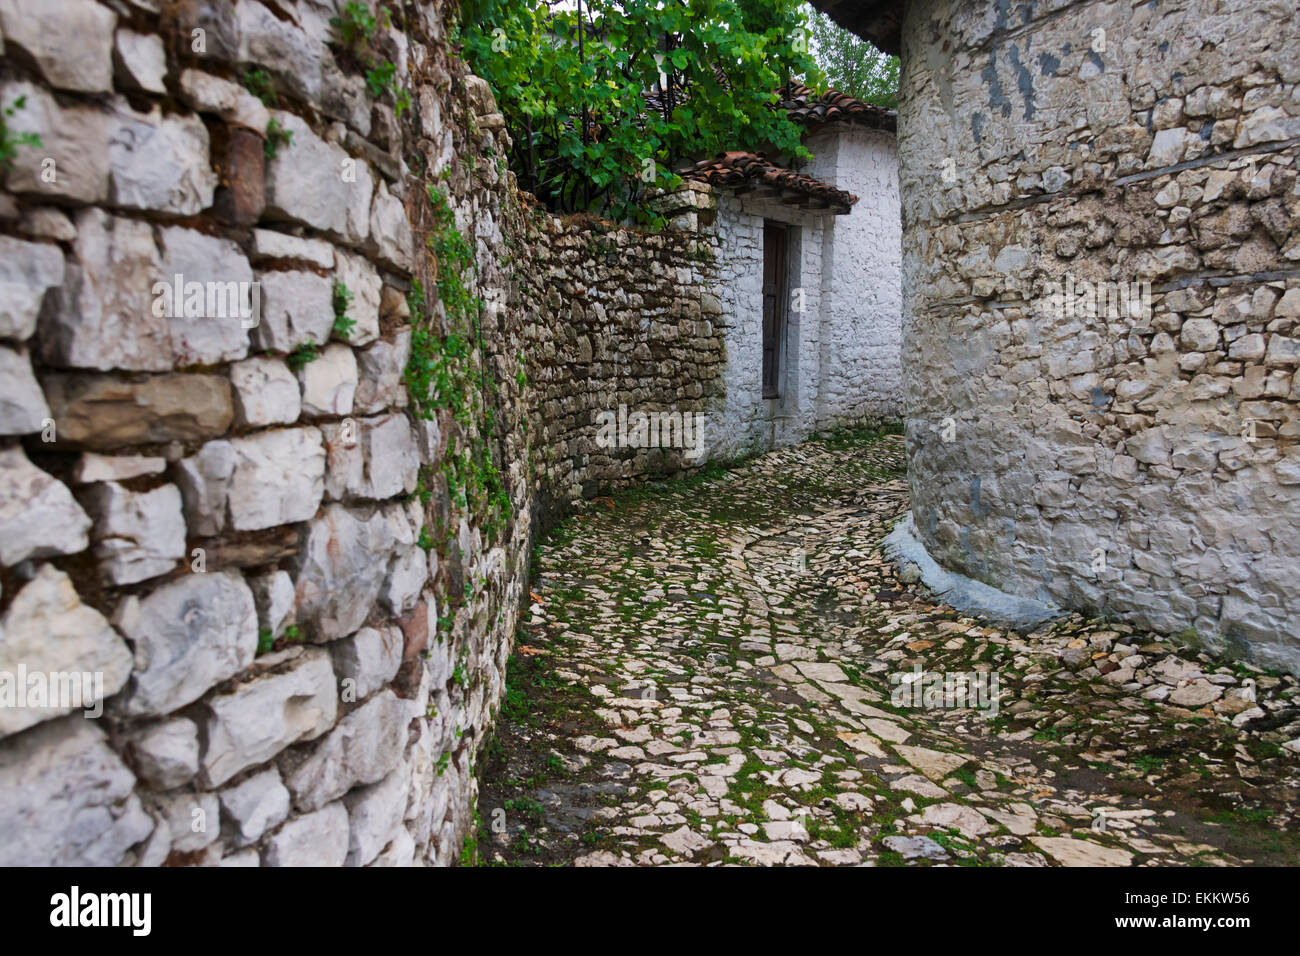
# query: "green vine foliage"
{"type": "Point", "coordinates": [10, 141]}
{"type": "Point", "coordinates": [446, 372]}
{"type": "Point", "coordinates": [853, 65]}
{"type": "Point", "coordinates": [572, 89]}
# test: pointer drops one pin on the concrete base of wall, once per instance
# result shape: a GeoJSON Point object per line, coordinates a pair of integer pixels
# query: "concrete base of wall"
{"type": "Point", "coordinates": [965, 594]}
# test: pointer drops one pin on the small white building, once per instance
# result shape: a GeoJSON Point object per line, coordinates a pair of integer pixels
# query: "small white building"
{"type": "Point", "coordinates": [810, 279]}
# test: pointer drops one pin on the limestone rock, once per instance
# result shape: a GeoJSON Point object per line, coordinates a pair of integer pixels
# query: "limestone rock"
{"type": "Point", "coordinates": [1071, 852]}
{"type": "Point", "coordinates": [341, 568]}
{"type": "Point", "coordinates": [365, 746]}
{"type": "Point", "coordinates": [141, 61]}
{"type": "Point", "coordinates": [273, 595]}
{"type": "Point", "coordinates": [75, 138]}
{"type": "Point", "coordinates": [242, 858]}
{"type": "Point", "coordinates": [314, 839]}
{"type": "Point", "coordinates": [27, 271]}
{"type": "Point", "coordinates": [47, 222]}
{"type": "Point", "coordinates": [380, 371]}
{"type": "Point", "coordinates": [915, 783]}
{"type": "Point", "coordinates": [1197, 693]}
{"type": "Point", "coordinates": [270, 244]}
{"type": "Point", "coordinates": [966, 820]}
{"type": "Point", "coordinates": [823, 672]}
{"type": "Point", "coordinates": [212, 94]}
{"type": "Point", "coordinates": [71, 41]}
{"type": "Point", "coordinates": [297, 307]}
{"type": "Point", "coordinates": [254, 721]}
{"type": "Point", "coordinates": [160, 163]}
{"type": "Point", "coordinates": [204, 481]}
{"type": "Point", "coordinates": [165, 755]}
{"type": "Point", "coordinates": [102, 316]}
{"type": "Point", "coordinates": [914, 847]}
{"type": "Point", "coordinates": [390, 230]}
{"type": "Point", "coordinates": [39, 518]}
{"type": "Point", "coordinates": [407, 575]}
{"type": "Point", "coordinates": [189, 635]}
{"type": "Point", "coordinates": [935, 764]}
{"type": "Point", "coordinates": [1265, 125]}
{"type": "Point", "coordinates": [401, 852]}
{"type": "Point", "coordinates": [23, 409]}
{"type": "Point", "coordinates": [345, 96]}
{"type": "Point", "coordinates": [220, 332]}
{"type": "Point", "coordinates": [47, 630]}
{"type": "Point", "coordinates": [103, 412]}
{"type": "Point", "coordinates": [366, 287]}
{"type": "Point", "coordinates": [375, 816]}
{"type": "Point", "coordinates": [329, 382]}
{"type": "Point", "coordinates": [379, 462]}
{"type": "Point", "coordinates": [686, 842]}
{"type": "Point", "coordinates": [259, 804]}
{"type": "Point", "coordinates": [1167, 147]}
{"type": "Point", "coordinates": [66, 798]}
{"type": "Point", "coordinates": [266, 392]}
{"type": "Point", "coordinates": [369, 659]}
{"type": "Point", "coordinates": [281, 47]}
{"type": "Point", "coordinates": [93, 467]}
{"type": "Point", "coordinates": [278, 478]}
{"type": "Point", "coordinates": [138, 535]}
{"type": "Point", "coordinates": [1023, 823]}
{"type": "Point", "coordinates": [192, 819]}
{"type": "Point", "coordinates": [297, 191]}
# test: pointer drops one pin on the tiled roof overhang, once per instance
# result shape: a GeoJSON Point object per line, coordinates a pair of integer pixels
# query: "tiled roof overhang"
{"type": "Point", "coordinates": [879, 21]}
{"type": "Point", "coordinates": [754, 174]}
{"type": "Point", "coordinates": [810, 110]}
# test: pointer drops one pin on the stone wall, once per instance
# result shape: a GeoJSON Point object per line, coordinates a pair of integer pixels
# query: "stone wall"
{"type": "Point", "coordinates": [750, 423]}
{"type": "Point", "coordinates": [672, 322]}
{"type": "Point", "coordinates": [618, 317]}
{"type": "Point", "coordinates": [224, 260]}
{"type": "Point", "coordinates": [840, 359]}
{"type": "Point", "coordinates": [1137, 462]}
{"type": "Point", "coordinates": [300, 628]}
{"type": "Point", "coordinates": [862, 279]}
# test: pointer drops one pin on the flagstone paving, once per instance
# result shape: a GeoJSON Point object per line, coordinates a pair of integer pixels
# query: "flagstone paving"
{"type": "Point", "coordinates": [705, 678]}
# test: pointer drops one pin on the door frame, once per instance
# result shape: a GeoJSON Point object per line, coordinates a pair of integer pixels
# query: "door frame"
{"type": "Point", "coordinates": [776, 294]}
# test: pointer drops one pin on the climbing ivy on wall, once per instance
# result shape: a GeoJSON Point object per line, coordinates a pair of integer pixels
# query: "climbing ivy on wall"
{"type": "Point", "coordinates": [571, 85]}
{"type": "Point", "coordinates": [445, 371]}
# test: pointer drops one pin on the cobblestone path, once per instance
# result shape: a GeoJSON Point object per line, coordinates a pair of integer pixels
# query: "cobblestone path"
{"type": "Point", "coordinates": [706, 678]}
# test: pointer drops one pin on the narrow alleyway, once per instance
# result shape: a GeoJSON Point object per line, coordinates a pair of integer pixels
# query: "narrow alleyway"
{"type": "Point", "coordinates": [705, 678]}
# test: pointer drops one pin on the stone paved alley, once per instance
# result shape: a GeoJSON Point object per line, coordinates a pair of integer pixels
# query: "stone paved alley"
{"type": "Point", "coordinates": [688, 689]}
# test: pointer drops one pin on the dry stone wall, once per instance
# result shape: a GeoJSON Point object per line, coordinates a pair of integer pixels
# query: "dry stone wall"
{"type": "Point", "coordinates": [294, 606]}
{"type": "Point", "coordinates": [620, 319]}
{"type": "Point", "coordinates": [1136, 459]}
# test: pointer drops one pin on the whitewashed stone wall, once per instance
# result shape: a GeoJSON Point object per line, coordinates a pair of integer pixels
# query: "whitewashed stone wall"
{"type": "Point", "coordinates": [173, 492]}
{"type": "Point", "coordinates": [746, 422]}
{"type": "Point", "coordinates": [841, 361]}
{"type": "Point", "coordinates": [862, 280]}
{"type": "Point", "coordinates": [1105, 142]}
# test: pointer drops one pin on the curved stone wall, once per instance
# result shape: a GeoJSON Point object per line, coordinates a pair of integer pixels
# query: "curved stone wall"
{"type": "Point", "coordinates": [1069, 441]}
{"type": "Point", "coordinates": [233, 524]}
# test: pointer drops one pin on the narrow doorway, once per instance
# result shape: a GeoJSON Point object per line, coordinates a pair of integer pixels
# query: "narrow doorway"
{"type": "Point", "coordinates": [776, 246]}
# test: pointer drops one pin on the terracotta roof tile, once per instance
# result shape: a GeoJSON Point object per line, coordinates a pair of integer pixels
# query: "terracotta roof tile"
{"type": "Point", "coordinates": [746, 172]}
{"type": "Point", "coordinates": [804, 106]}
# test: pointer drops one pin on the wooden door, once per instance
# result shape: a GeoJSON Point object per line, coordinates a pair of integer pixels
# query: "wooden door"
{"type": "Point", "coordinates": [775, 246]}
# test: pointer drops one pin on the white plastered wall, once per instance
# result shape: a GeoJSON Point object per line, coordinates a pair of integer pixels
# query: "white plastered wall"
{"type": "Point", "coordinates": [840, 362]}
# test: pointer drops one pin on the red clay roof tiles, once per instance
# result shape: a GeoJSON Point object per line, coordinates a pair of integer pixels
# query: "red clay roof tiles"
{"type": "Point", "coordinates": [806, 107]}
{"type": "Point", "coordinates": [748, 171]}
